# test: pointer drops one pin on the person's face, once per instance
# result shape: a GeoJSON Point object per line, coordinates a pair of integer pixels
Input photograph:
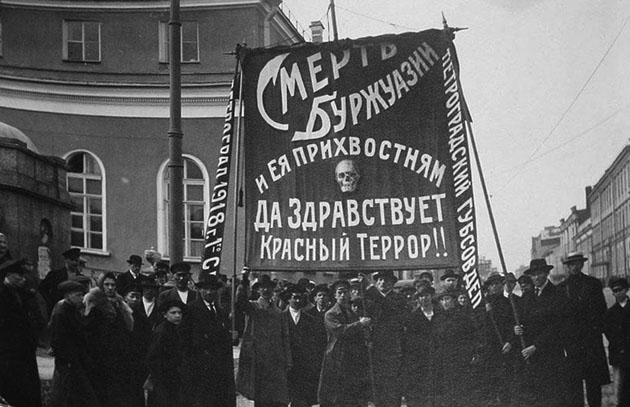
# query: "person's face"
{"type": "Point", "coordinates": [384, 284]}
{"type": "Point", "coordinates": [75, 298]}
{"type": "Point", "coordinates": [342, 295]}
{"type": "Point", "coordinates": [209, 294]}
{"type": "Point", "coordinates": [495, 288]}
{"type": "Point", "coordinates": [447, 302]}
{"type": "Point", "coordinates": [109, 287]}
{"type": "Point", "coordinates": [132, 298]}
{"type": "Point", "coordinates": [15, 280]}
{"type": "Point", "coordinates": [321, 299]}
{"type": "Point", "coordinates": [181, 280]}
{"type": "Point", "coordinates": [575, 267]}
{"type": "Point", "coordinates": [450, 282]}
{"type": "Point", "coordinates": [149, 293]}
{"type": "Point", "coordinates": [620, 293]}
{"type": "Point", "coordinates": [162, 279]}
{"type": "Point", "coordinates": [296, 301]}
{"type": "Point", "coordinates": [424, 299]}
{"type": "Point", "coordinates": [266, 291]}
{"type": "Point", "coordinates": [72, 264]}
{"type": "Point", "coordinates": [526, 287]}
{"type": "Point", "coordinates": [462, 299]}
{"type": "Point", "coordinates": [135, 268]}
{"type": "Point", "coordinates": [3, 245]}
{"type": "Point", "coordinates": [173, 315]}
{"type": "Point", "coordinates": [539, 278]}
{"type": "Point", "coordinates": [356, 308]}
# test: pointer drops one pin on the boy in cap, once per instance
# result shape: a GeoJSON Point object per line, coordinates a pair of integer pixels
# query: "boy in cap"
{"type": "Point", "coordinates": [617, 331]}
{"type": "Point", "coordinates": [19, 378]}
{"type": "Point", "coordinates": [72, 384]}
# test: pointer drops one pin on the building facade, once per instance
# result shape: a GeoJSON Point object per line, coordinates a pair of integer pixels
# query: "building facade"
{"type": "Point", "coordinates": [88, 82]}
{"type": "Point", "coordinates": [610, 214]}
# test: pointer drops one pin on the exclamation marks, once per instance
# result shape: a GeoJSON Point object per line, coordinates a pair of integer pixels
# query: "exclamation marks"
{"type": "Point", "coordinates": [441, 240]}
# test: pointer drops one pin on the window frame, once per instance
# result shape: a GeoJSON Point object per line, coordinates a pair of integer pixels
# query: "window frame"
{"type": "Point", "coordinates": [66, 41]}
{"type": "Point", "coordinates": [162, 208]}
{"type": "Point", "coordinates": [103, 250]}
{"type": "Point", "coordinates": [164, 42]}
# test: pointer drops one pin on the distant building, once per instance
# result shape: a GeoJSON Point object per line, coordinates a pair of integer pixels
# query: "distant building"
{"type": "Point", "coordinates": [88, 82]}
{"type": "Point", "coordinates": [610, 219]}
{"type": "Point", "coordinates": [485, 267]}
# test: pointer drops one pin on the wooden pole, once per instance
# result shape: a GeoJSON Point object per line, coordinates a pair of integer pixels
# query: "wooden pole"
{"type": "Point", "coordinates": [175, 135]}
{"type": "Point", "coordinates": [493, 223]}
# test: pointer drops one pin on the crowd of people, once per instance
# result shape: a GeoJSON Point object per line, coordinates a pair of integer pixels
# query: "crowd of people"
{"type": "Point", "coordinates": [161, 339]}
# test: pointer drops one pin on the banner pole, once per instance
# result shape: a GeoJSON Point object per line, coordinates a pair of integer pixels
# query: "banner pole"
{"type": "Point", "coordinates": [368, 341]}
{"type": "Point", "coordinates": [237, 178]}
{"type": "Point", "coordinates": [493, 223]}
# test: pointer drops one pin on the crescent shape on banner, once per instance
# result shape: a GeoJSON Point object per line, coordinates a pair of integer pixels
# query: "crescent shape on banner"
{"type": "Point", "coordinates": [268, 74]}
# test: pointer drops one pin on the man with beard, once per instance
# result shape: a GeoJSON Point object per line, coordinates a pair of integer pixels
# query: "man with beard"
{"type": "Point", "coordinates": [585, 348]}
{"type": "Point", "coordinates": [208, 364]}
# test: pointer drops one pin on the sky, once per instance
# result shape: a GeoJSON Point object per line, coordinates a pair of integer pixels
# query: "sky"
{"type": "Point", "coordinates": [548, 86]}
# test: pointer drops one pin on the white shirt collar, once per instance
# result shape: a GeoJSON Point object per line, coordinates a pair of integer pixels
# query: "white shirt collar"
{"type": "Point", "coordinates": [542, 287]}
{"type": "Point", "coordinates": [295, 314]}
{"type": "Point", "coordinates": [148, 305]}
{"type": "Point", "coordinates": [183, 295]}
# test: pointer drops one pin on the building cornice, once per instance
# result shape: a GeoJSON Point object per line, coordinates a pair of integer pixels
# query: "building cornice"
{"type": "Point", "coordinates": [127, 5]}
{"type": "Point", "coordinates": [114, 101]}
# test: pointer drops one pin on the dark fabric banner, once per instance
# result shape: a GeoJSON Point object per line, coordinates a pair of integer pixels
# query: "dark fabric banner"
{"type": "Point", "coordinates": [356, 156]}
{"type": "Point", "coordinates": [215, 225]}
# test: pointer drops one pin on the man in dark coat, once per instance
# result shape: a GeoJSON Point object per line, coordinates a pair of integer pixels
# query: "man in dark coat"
{"type": "Point", "coordinates": [617, 330]}
{"type": "Point", "coordinates": [585, 348]}
{"type": "Point", "coordinates": [388, 311]}
{"type": "Point", "coordinates": [72, 384]}
{"type": "Point", "coordinates": [132, 276]}
{"type": "Point", "coordinates": [208, 364]}
{"type": "Point", "coordinates": [19, 378]}
{"type": "Point", "coordinates": [48, 286]}
{"type": "Point", "coordinates": [344, 379]}
{"type": "Point", "coordinates": [181, 292]}
{"type": "Point", "coordinates": [544, 325]}
{"type": "Point", "coordinates": [303, 375]}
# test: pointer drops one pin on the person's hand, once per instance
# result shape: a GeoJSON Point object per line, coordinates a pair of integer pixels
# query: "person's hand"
{"type": "Point", "coordinates": [518, 330]}
{"type": "Point", "coordinates": [528, 352]}
{"type": "Point", "coordinates": [488, 307]}
{"type": "Point", "coordinates": [507, 348]}
{"type": "Point", "coordinates": [365, 321]}
{"type": "Point", "coordinates": [362, 277]}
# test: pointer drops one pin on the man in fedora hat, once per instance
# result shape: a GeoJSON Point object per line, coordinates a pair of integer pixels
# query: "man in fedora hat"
{"type": "Point", "coordinates": [132, 275]}
{"type": "Point", "coordinates": [48, 286]}
{"type": "Point", "coordinates": [265, 354]}
{"type": "Point", "coordinates": [544, 327]}
{"type": "Point", "coordinates": [181, 292]}
{"type": "Point", "coordinates": [208, 364]}
{"type": "Point", "coordinates": [585, 348]}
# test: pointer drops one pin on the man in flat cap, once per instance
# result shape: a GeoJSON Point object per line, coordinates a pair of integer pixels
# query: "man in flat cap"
{"type": "Point", "coordinates": [450, 280]}
{"type": "Point", "coordinates": [208, 364]}
{"type": "Point", "coordinates": [181, 292]}
{"type": "Point", "coordinates": [617, 330]}
{"type": "Point", "coordinates": [544, 328]}
{"type": "Point", "coordinates": [72, 384]}
{"type": "Point", "coordinates": [132, 276]}
{"type": "Point", "coordinates": [585, 348]}
{"type": "Point", "coordinates": [19, 378]}
{"type": "Point", "coordinates": [48, 286]}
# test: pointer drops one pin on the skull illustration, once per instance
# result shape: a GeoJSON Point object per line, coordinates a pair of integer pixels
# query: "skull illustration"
{"type": "Point", "coordinates": [347, 175]}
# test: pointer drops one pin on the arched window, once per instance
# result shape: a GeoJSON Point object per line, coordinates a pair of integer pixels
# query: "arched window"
{"type": "Point", "coordinates": [86, 185]}
{"type": "Point", "coordinates": [196, 195]}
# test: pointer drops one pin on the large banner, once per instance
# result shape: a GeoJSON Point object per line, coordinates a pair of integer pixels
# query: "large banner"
{"type": "Point", "coordinates": [356, 156]}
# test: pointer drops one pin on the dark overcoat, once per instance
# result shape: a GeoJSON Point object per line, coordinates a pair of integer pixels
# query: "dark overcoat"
{"type": "Point", "coordinates": [208, 364]}
{"type": "Point", "coordinates": [265, 352]}
{"type": "Point", "coordinates": [388, 313]}
{"type": "Point", "coordinates": [19, 378]}
{"type": "Point", "coordinates": [344, 378]}
{"type": "Point", "coordinates": [617, 330]}
{"type": "Point", "coordinates": [303, 375]}
{"type": "Point", "coordinates": [164, 363]}
{"type": "Point", "coordinates": [586, 309]}
{"type": "Point", "coordinates": [73, 380]}
{"type": "Point", "coordinates": [126, 279]}
{"type": "Point", "coordinates": [48, 287]}
{"type": "Point", "coordinates": [420, 357]}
